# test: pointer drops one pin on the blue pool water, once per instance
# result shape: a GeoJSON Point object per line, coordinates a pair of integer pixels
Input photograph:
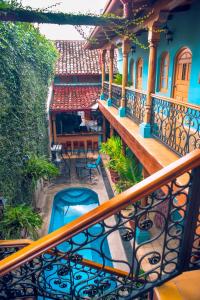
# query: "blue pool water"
{"type": "Point", "coordinates": [68, 205]}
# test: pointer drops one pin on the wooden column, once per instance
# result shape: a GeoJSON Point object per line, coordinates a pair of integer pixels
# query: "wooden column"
{"type": "Point", "coordinates": [103, 72]}
{"type": "Point", "coordinates": [54, 129]}
{"type": "Point", "coordinates": [153, 39]}
{"type": "Point", "coordinates": [111, 65]}
{"type": "Point", "coordinates": [125, 51]}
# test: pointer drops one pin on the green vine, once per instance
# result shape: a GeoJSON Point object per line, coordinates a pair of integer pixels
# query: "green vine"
{"type": "Point", "coordinates": [26, 69]}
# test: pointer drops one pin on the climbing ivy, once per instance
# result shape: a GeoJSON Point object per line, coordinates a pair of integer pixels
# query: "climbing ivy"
{"type": "Point", "coordinates": [26, 68]}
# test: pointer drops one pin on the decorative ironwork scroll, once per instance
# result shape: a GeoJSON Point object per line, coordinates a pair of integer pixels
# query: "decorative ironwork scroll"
{"type": "Point", "coordinates": [176, 125]}
{"type": "Point", "coordinates": [116, 95]}
{"type": "Point", "coordinates": [63, 272]}
{"type": "Point", "coordinates": [135, 105]}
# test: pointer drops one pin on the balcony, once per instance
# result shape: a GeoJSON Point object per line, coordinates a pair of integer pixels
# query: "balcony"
{"type": "Point", "coordinates": [173, 123]}
{"type": "Point", "coordinates": [116, 95]}
{"type": "Point", "coordinates": [135, 105]}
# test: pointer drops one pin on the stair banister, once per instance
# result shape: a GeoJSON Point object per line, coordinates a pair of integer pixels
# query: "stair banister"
{"type": "Point", "coordinates": [107, 209]}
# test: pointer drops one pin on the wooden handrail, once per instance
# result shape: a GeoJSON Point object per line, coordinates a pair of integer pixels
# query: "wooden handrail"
{"type": "Point", "coordinates": [129, 88]}
{"type": "Point", "coordinates": [85, 262]}
{"type": "Point", "coordinates": [105, 210]}
{"type": "Point", "coordinates": [174, 101]}
{"type": "Point", "coordinates": [14, 243]}
{"type": "Point", "coordinates": [136, 90]}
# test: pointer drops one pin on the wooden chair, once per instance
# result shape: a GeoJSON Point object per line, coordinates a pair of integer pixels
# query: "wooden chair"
{"type": "Point", "coordinates": [89, 146]}
{"type": "Point", "coordinates": [75, 147]}
{"type": "Point", "coordinates": [81, 147]}
{"type": "Point", "coordinates": [68, 147]}
{"type": "Point", "coordinates": [96, 146]}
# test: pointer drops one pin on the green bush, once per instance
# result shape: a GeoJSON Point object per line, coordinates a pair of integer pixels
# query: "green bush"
{"type": "Point", "coordinates": [20, 222]}
{"type": "Point", "coordinates": [38, 167]}
{"type": "Point", "coordinates": [113, 148]}
{"type": "Point", "coordinates": [118, 80]}
{"type": "Point", "coordinates": [125, 165]}
{"type": "Point", "coordinates": [130, 174]}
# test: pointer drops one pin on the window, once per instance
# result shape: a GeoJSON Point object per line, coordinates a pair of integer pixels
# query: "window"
{"type": "Point", "coordinates": [164, 69]}
{"type": "Point", "coordinates": [183, 77]}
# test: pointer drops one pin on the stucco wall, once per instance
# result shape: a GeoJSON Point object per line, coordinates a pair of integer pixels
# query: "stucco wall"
{"type": "Point", "coordinates": [185, 27]}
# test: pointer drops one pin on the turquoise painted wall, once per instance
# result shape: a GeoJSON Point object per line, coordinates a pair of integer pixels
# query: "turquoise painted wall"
{"type": "Point", "coordinates": [185, 26]}
{"type": "Point", "coordinates": [135, 56]}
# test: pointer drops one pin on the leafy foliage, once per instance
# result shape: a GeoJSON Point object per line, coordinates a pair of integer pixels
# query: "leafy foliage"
{"type": "Point", "coordinates": [38, 167]}
{"type": "Point", "coordinates": [130, 174]}
{"type": "Point", "coordinates": [125, 165]}
{"type": "Point", "coordinates": [26, 68]}
{"type": "Point", "coordinates": [118, 79]}
{"type": "Point", "coordinates": [19, 222]}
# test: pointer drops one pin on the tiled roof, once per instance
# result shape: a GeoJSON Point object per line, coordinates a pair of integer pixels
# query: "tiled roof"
{"type": "Point", "coordinates": [75, 60]}
{"type": "Point", "coordinates": [67, 98]}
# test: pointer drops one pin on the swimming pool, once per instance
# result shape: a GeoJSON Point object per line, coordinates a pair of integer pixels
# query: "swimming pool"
{"type": "Point", "coordinates": [68, 205]}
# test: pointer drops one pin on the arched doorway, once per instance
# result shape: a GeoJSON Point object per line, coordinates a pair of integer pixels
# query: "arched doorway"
{"type": "Point", "coordinates": [182, 74]}
{"type": "Point", "coordinates": [139, 72]}
{"type": "Point", "coordinates": [132, 72]}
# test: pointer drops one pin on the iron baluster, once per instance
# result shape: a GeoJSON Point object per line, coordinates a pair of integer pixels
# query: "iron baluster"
{"type": "Point", "coordinates": [116, 95]}
{"type": "Point", "coordinates": [176, 125]}
{"type": "Point", "coordinates": [190, 223]}
{"type": "Point", "coordinates": [135, 105]}
{"type": "Point", "coordinates": [106, 90]}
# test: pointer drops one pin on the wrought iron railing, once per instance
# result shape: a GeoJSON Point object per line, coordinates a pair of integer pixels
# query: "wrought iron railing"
{"type": "Point", "coordinates": [106, 90]}
{"type": "Point", "coordinates": [157, 218]}
{"type": "Point", "coordinates": [135, 105]}
{"type": "Point", "coordinates": [116, 95]}
{"type": "Point", "coordinates": [176, 124]}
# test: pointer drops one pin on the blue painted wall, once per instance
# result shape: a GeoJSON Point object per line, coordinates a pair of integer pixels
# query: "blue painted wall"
{"type": "Point", "coordinates": [185, 26]}
{"type": "Point", "coordinates": [144, 54]}
{"type": "Point", "coordinates": [186, 29]}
